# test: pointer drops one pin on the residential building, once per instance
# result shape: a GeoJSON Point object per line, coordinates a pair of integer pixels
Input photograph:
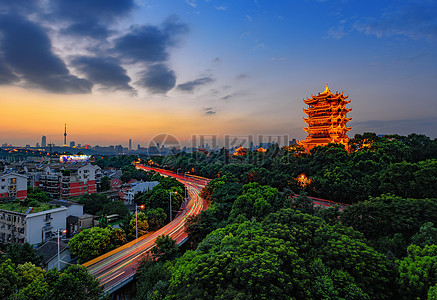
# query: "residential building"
{"type": "Point", "coordinates": [70, 180]}
{"type": "Point", "coordinates": [34, 226]}
{"type": "Point", "coordinates": [13, 185]}
{"type": "Point", "coordinates": [129, 194]}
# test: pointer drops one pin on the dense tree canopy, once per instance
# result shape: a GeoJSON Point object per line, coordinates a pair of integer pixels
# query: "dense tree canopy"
{"type": "Point", "coordinates": [93, 242]}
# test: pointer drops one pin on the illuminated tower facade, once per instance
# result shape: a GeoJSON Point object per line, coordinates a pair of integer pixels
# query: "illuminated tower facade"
{"type": "Point", "coordinates": [65, 135]}
{"type": "Point", "coordinates": [326, 120]}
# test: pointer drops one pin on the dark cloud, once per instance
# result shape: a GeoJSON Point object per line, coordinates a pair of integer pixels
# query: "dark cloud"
{"type": "Point", "coordinates": [6, 75]}
{"type": "Point", "coordinates": [158, 79]}
{"type": "Point", "coordinates": [227, 97]}
{"type": "Point", "coordinates": [242, 76]}
{"type": "Point", "coordinates": [28, 53]}
{"type": "Point", "coordinates": [236, 94]}
{"type": "Point", "coordinates": [417, 19]}
{"type": "Point", "coordinates": [61, 84]}
{"type": "Point", "coordinates": [189, 86]}
{"type": "Point", "coordinates": [150, 43]}
{"type": "Point", "coordinates": [209, 111]}
{"type": "Point", "coordinates": [90, 18]}
{"type": "Point", "coordinates": [87, 28]}
{"type": "Point", "coordinates": [104, 71]}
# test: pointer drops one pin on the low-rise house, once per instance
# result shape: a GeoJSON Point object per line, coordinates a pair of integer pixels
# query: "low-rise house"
{"type": "Point", "coordinates": [137, 188]}
{"type": "Point", "coordinates": [49, 252]}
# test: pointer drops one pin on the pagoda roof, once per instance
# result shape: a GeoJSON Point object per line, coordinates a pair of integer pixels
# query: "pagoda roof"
{"type": "Point", "coordinates": [324, 96]}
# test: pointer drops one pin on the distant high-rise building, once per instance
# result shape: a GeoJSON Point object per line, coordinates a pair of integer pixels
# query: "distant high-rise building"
{"type": "Point", "coordinates": [130, 144]}
{"type": "Point", "coordinates": [65, 135]}
{"type": "Point", "coordinates": [37, 145]}
{"type": "Point", "coordinates": [72, 144]}
{"type": "Point", "coordinates": [43, 141]}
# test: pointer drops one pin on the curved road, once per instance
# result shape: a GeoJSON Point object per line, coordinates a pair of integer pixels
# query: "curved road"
{"type": "Point", "coordinates": [117, 268]}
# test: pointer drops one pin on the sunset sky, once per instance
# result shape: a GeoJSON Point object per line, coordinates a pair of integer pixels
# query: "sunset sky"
{"type": "Point", "coordinates": [114, 70]}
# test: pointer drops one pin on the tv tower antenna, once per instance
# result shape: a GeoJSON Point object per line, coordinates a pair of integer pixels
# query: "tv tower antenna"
{"type": "Point", "coordinates": [65, 135]}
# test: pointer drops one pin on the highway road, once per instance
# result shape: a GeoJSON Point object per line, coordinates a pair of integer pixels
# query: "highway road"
{"type": "Point", "coordinates": [117, 268]}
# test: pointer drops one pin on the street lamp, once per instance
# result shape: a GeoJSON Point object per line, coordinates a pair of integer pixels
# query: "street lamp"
{"type": "Point", "coordinates": [59, 258]}
{"type": "Point", "coordinates": [136, 219]}
{"type": "Point", "coordinates": [171, 214]}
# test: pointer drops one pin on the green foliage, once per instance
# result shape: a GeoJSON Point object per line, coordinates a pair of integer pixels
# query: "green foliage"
{"type": "Point", "coordinates": [115, 161]}
{"type": "Point", "coordinates": [281, 258]}
{"type": "Point", "coordinates": [140, 222]}
{"type": "Point", "coordinates": [427, 235]}
{"type": "Point", "coordinates": [256, 202]}
{"type": "Point", "coordinates": [221, 193]}
{"type": "Point", "coordinates": [76, 283]}
{"type": "Point", "coordinates": [37, 194]}
{"type": "Point", "coordinates": [105, 184]}
{"type": "Point", "coordinates": [114, 207]}
{"type": "Point", "coordinates": [418, 272]}
{"type": "Point", "coordinates": [93, 242]}
{"type": "Point", "coordinates": [159, 198]}
{"type": "Point", "coordinates": [27, 273]}
{"type": "Point", "coordinates": [165, 249]}
{"type": "Point", "coordinates": [23, 253]}
{"type": "Point", "coordinates": [152, 279]}
{"type": "Point", "coordinates": [36, 290]}
{"type": "Point", "coordinates": [155, 218]}
{"type": "Point", "coordinates": [383, 217]}
{"type": "Point", "coordinates": [93, 203]}
{"type": "Point", "coordinates": [8, 279]}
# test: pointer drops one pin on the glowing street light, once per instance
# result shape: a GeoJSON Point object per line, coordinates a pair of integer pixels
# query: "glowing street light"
{"type": "Point", "coordinates": [136, 219]}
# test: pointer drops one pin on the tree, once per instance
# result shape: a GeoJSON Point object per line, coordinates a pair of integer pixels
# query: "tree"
{"type": "Point", "coordinates": [93, 203]}
{"type": "Point", "coordinates": [115, 207]}
{"type": "Point", "coordinates": [27, 273]}
{"type": "Point", "coordinates": [76, 283]}
{"type": "Point", "coordinates": [427, 235]}
{"type": "Point", "coordinates": [165, 248]}
{"type": "Point", "coordinates": [143, 226]}
{"type": "Point", "coordinates": [155, 218]}
{"type": "Point", "coordinates": [37, 194]}
{"type": "Point", "coordinates": [36, 290]}
{"type": "Point", "coordinates": [91, 243]}
{"type": "Point", "coordinates": [152, 279]}
{"type": "Point", "coordinates": [256, 201]}
{"type": "Point", "coordinates": [8, 279]}
{"type": "Point", "coordinates": [417, 271]}
{"type": "Point", "coordinates": [22, 253]}
{"type": "Point", "coordinates": [105, 184]}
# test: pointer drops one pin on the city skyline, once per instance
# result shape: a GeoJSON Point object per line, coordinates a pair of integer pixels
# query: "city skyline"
{"type": "Point", "coordinates": [119, 70]}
